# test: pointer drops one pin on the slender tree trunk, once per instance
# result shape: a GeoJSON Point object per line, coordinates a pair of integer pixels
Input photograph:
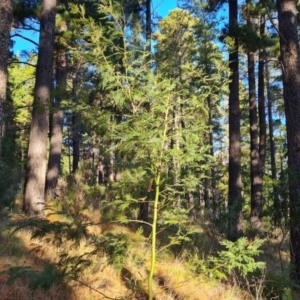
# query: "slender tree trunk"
{"type": "Point", "coordinates": [276, 202]}
{"type": "Point", "coordinates": [34, 189]}
{"type": "Point", "coordinates": [213, 171]}
{"type": "Point", "coordinates": [270, 121]}
{"type": "Point", "coordinates": [76, 129]}
{"type": "Point", "coordinates": [257, 148]}
{"type": "Point", "coordinates": [148, 25]}
{"type": "Point", "coordinates": [235, 217]}
{"type": "Point", "coordinates": [254, 154]}
{"type": "Point", "coordinates": [5, 26]}
{"type": "Point", "coordinates": [262, 124]}
{"type": "Point", "coordinates": [289, 48]}
{"type": "Point", "coordinates": [56, 130]}
{"type": "Point", "coordinates": [144, 206]}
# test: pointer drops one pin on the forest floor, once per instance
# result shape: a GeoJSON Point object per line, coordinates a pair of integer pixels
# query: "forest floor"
{"type": "Point", "coordinates": [100, 279]}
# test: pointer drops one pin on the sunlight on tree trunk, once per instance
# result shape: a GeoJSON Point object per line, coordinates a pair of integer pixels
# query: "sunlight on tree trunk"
{"type": "Point", "coordinates": [6, 14]}
{"type": "Point", "coordinates": [34, 189]}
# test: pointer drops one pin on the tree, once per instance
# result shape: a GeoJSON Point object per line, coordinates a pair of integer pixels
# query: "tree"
{"type": "Point", "coordinates": [57, 115]}
{"type": "Point", "coordinates": [235, 181]}
{"type": "Point", "coordinates": [6, 14]}
{"type": "Point", "coordinates": [258, 211]}
{"type": "Point", "coordinates": [254, 151]}
{"type": "Point", "coordinates": [34, 189]}
{"type": "Point", "coordinates": [144, 206]}
{"type": "Point", "coordinates": [289, 49]}
{"type": "Point", "coordinates": [255, 41]}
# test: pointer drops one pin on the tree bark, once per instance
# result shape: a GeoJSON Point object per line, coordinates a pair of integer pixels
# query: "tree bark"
{"type": "Point", "coordinates": [211, 143]}
{"type": "Point", "coordinates": [76, 129]}
{"type": "Point", "coordinates": [235, 216]}
{"type": "Point", "coordinates": [56, 130]}
{"type": "Point", "coordinates": [34, 189]}
{"type": "Point", "coordinates": [289, 48]}
{"type": "Point", "coordinates": [262, 124]}
{"type": "Point", "coordinates": [270, 123]}
{"type": "Point", "coordinates": [276, 201]}
{"type": "Point", "coordinates": [257, 145]}
{"type": "Point", "coordinates": [254, 154]}
{"type": "Point", "coordinates": [144, 206]}
{"type": "Point", "coordinates": [6, 10]}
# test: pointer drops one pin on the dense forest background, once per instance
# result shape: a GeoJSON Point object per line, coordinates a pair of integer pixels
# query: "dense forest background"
{"type": "Point", "coordinates": [135, 143]}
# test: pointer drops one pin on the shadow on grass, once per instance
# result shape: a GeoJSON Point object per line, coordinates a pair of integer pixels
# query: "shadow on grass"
{"type": "Point", "coordinates": [20, 270]}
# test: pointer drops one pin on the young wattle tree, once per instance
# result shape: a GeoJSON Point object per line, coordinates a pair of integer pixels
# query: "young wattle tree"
{"type": "Point", "coordinates": [34, 189]}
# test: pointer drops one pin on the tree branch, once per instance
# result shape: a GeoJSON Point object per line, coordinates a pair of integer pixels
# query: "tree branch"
{"type": "Point", "coordinates": [21, 62]}
{"type": "Point", "coordinates": [95, 290]}
{"type": "Point", "coordinates": [24, 38]}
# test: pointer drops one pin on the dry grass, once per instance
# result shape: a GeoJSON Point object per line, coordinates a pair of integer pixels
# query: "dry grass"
{"type": "Point", "coordinates": [173, 280]}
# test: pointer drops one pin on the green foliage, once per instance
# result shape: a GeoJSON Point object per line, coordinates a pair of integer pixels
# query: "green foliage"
{"type": "Point", "coordinates": [239, 256]}
{"type": "Point", "coordinates": [278, 287]}
{"type": "Point", "coordinates": [10, 246]}
{"type": "Point", "coordinates": [237, 260]}
{"type": "Point", "coordinates": [116, 246]}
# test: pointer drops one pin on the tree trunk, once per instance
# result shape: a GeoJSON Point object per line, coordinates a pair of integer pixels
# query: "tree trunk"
{"type": "Point", "coordinates": [56, 130]}
{"type": "Point", "coordinates": [270, 121]}
{"type": "Point", "coordinates": [276, 201]}
{"type": "Point", "coordinates": [235, 217]}
{"type": "Point", "coordinates": [144, 206]}
{"type": "Point", "coordinates": [34, 189]}
{"type": "Point", "coordinates": [262, 125]}
{"type": "Point", "coordinates": [254, 154]}
{"type": "Point", "coordinates": [5, 26]}
{"type": "Point", "coordinates": [257, 148]}
{"type": "Point", "coordinates": [289, 48]}
{"type": "Point", "coordinates": [76, 129]}
{"type": "Point", "coordinates": [212, 171]}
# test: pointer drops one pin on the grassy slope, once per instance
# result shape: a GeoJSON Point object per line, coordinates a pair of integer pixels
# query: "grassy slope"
{"type": "Point", "coordinates": [101, 280]}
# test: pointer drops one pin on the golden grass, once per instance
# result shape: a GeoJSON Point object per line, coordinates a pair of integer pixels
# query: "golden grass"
{"type": "Point", "coordinates": [172, 279]}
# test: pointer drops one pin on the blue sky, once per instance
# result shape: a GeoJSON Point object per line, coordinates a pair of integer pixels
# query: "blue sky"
{"type": "Point", "coordinates": [159, 7]}
{"type": "Point", "coordinates": [162, 7]}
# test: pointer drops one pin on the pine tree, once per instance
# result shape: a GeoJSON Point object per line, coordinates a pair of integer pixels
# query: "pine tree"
{"type": "Point", "coordinates": [6, 15]}
{"type": "Point", "coordinates": [289, 48]}
{"type": "Point", "coordinates": [235, 201]}
{"type": "Point", "coordinates": [34, 189]}
{"type": "Point", "coordinates": [57, 115]}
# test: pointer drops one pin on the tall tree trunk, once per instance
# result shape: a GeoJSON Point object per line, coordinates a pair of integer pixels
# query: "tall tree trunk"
{"type": "Point", "coordinates": [34, 189]}
{"type": "Point", "coordinates": [144, 206]}
{"type": "Point", "coordinates": [148, 25]}
{"type": "Point", "coordinates": [235, 216]}
{"type": "Point", "coordinates": [76, 129]}
{"type": "Point", "coordinates": [270, 123]}
{"type": "Point", "coordinates": [276, 202]}
{"type": "Point", "coordinates": [254, 154]}
{"type": "Point", "coordinates": [257, 148]}
{"type": "Point", "coordinates": [212, 171]}
{"type": "Point", "coordinates": [56, 130]}
{"type": "Point", "coordinates": [5, 26]}
{"type": "Point", "coordinates": [262, 125]}
{"type": "Point", "coordinates": [289, 48]}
